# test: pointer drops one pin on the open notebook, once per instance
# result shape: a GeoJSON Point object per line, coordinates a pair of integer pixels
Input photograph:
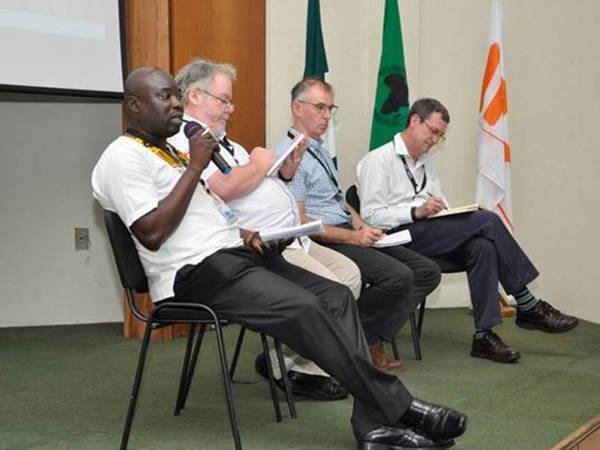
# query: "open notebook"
{"type": "Point", "coordinates": [457, 210]}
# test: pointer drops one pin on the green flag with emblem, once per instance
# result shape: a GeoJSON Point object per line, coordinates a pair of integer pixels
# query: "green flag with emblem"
{"type": "Point", "coordinates": [391, 96]}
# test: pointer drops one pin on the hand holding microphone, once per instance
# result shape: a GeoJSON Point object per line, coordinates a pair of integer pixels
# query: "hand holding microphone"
{"type": "Point", "coordinates": [191, 129]}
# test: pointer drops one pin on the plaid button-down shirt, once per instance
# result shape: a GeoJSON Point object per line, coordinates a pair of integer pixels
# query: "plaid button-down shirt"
{"type": "Point", "coordinates": [316, 184]}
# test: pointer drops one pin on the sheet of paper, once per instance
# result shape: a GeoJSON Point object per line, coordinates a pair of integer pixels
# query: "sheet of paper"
{"type": "Point", "coordinates": [277, 164]}
{"type": "Point", "coordinates": [397, 238]}
{"type": "Point", "coordinates": [273, 234]}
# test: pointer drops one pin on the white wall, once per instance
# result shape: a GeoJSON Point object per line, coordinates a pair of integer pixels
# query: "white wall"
{"type": "Point", "coordinates": [552, 71]}
{"type": "Point", "coordinates": [47, 153]}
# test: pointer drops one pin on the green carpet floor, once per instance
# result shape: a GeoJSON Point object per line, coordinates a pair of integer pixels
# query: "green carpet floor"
{"type": "Point", "coordinates": [68, 387]}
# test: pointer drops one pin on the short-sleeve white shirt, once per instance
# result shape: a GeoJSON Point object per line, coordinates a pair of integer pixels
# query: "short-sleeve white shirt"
{"type": "Point", "coordinates": [131, 180]}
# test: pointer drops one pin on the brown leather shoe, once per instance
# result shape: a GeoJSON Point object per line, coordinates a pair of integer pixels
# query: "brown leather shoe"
{"type": "Point", "coordinates": [544, 317]}
{"type": "Point", "coordinates": [381, 360]}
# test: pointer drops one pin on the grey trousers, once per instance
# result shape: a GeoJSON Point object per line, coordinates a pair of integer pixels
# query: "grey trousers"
{"type": "Point", "coordinates": [397, 279]}
{"type": "Point", "coordinates": [481, 242]}
{"type": "Point", "coordinates": [315, 317]}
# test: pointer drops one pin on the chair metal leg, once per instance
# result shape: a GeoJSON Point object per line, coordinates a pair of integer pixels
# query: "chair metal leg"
{"type": "Point", "coordinates": [415, 337]}
{"type": "Point", "coordinates": [192, 365]}
{"type": "Point", "coordinates": [395, 348]}
{"type": "Point", "coordinates": [272, 385]}
{"type": "Point", "coordinates": [236, 353]}
{"type": "Point", "coordinates": [185, 368]}
{"type": "Point", "coordinates": [227, 384]}
{"type": "Point", "coordinates": [286, 382]}
{"type": "Point", "coordinates": [421, 317]}
{"type": "Point", "coordinates": [136, 385]}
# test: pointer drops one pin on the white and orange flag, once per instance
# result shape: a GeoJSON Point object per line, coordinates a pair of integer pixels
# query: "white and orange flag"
{"type": "Point", "coordinates": [493, 179]}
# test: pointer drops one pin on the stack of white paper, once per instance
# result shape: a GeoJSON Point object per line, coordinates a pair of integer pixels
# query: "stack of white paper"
{"type": "Point", "coordinates": [273, 234]}
{"type": "Point", "coordinates": [397, 238]}
{"type": "Point", "coordinates": [277, 164]}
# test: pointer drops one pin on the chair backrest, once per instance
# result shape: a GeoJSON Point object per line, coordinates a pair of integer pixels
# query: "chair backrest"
{"type": "Point", "coordinates": [352, 198]}
{"type": "Point", "coordinates": [128, 261]}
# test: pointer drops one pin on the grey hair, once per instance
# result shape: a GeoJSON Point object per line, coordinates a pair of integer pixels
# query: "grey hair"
{"type": "Point", "coordinates": [199, 74]}
{"type": "Point", "coordinates": [305, 84]}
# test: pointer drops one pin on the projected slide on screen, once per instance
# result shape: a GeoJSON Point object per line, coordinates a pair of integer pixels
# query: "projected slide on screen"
{"type": "Point", "coordinates": [61, 44]}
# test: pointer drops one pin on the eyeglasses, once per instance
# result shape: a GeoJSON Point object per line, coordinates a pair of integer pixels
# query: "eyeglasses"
{"type": "Point", "coordinates": [222, 100]}
{"type": "Point", "coordinates": [322, 107]}
{"type": "Point", "coordinates": [439, 135]}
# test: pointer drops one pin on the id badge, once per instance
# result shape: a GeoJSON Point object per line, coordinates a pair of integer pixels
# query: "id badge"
{"type": "Point", "coordinates": [225, 210]}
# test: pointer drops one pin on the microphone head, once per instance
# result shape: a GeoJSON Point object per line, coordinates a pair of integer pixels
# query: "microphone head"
{"type": "Point", "coordinates": [191, 128]}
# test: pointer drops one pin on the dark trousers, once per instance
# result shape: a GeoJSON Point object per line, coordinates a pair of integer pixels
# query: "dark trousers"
{"type": "Point", "coordinates": [315, 317]}
{"type": "Point", "coordinates": [481, 242]}
{"type": "Point", "coordinates": [397, 278]}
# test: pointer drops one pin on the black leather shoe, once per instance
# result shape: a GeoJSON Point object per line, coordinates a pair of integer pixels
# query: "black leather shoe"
{"type": "Point", "coordinates": [544, 317]}
{"type": "Point", "coordinates": [386, 438]}
{"type": "Point", "coordinates": [492, 347]}
{"type": "Point", "coordinates": [307, 386]}
{"type": "Point", "coordinates": [434, 421]}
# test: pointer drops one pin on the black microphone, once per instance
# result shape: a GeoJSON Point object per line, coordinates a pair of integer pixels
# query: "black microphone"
{"type": "Point", "coordinates": [191, 128]}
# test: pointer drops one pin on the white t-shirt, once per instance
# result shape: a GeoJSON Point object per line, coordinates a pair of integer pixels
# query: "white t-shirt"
{"type": "Point", "coordinates": [131, 180]}
{"type": "Point", "coordinates": [269, 205]}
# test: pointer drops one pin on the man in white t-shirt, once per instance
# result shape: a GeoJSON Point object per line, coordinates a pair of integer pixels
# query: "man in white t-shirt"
{"type": "Point", "coordinates": [190, 252]}
{"type": "Point", "coordinates": [260, 203]}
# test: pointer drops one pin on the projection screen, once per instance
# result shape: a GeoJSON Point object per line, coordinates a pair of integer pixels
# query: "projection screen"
{"type": "Point", "coordinates": [62, 46]}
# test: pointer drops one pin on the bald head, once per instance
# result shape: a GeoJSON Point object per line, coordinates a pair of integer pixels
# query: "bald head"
{"type": "Point", "coordinates": [137, 79]}
{"type": "Point", "coordinates": [152, 101]}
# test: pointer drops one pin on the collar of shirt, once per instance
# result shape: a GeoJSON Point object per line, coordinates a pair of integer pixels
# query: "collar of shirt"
{"type": "Point", "coordinates": [401, 150]}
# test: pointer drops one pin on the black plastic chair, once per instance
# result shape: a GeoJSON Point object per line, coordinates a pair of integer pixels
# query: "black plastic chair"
{"type": "Point", "coordinates": [416, 322]}
{"type": "Point", "coordinates": [198, 315]}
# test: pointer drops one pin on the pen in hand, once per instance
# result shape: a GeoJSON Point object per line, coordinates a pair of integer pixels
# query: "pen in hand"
{"type": "Point", "coordinates": [433, 196]}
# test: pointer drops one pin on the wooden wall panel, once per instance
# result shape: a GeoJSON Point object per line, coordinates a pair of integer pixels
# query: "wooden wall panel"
{"type": "Point", "coordinates": [230, 31]}
{"type": "Point", "coordinates": [148, 39]}
{"type": "Point", "coordinates": [148, 44]}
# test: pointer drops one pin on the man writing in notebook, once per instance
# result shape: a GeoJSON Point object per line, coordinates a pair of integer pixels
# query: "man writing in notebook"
{"type": "Point", "coordinates": [399, 189]}
{"type": "Point", "coordinates": [260, 202]}
{"type": "Point", "coordinates": [191, 253]}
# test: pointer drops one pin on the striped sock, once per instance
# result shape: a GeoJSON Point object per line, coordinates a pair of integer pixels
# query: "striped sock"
{"type": "Point", "coordinates": [481, 333]}
{"type": "Point", "coordinates": [525, 300]}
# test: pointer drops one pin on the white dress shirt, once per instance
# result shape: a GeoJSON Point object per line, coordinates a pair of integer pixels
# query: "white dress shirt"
{"type": "Point", "coordinates": [385, 190]}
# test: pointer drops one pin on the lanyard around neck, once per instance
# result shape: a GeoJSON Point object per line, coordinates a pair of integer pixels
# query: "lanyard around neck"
{"type": "Point", "coordinates": [411, 177]}
{"type": "Point", "coordinates": [321, 163]}
{"type": "Point", "coordinates": [227, 145]}
{"type": "Point", "coordinates": [166, 152]}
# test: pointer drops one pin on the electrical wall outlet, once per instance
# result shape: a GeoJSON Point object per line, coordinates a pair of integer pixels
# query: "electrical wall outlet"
{"type": "Point", "coordinates": [82, 238]}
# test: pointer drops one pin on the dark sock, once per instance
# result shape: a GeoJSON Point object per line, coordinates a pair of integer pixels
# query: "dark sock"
{"type": "Point", "coordinates": [525, 300]}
